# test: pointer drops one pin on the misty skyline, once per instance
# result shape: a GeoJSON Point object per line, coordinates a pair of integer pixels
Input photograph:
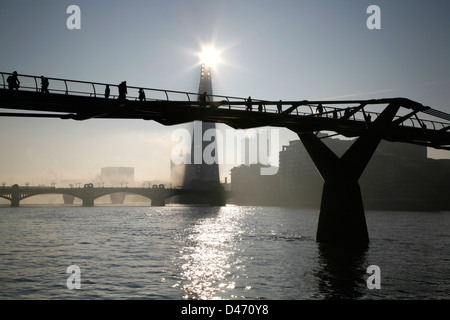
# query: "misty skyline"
{"type": "Point", "coordinates": [289, 50]}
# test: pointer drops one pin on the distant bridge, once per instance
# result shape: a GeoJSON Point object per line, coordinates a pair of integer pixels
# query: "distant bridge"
{"type": "Point", "coordinates": [342, 218]}
{"type": "Point", "coordinates": [88, 194]}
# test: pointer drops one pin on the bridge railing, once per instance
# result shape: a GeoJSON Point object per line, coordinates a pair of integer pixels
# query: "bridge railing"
{"type": "Point", "coordinates": [303, 108]}
{"type": "Point", "coordinates": [358, 113]}
{"type": "Point", "coordinates": [97, 89]}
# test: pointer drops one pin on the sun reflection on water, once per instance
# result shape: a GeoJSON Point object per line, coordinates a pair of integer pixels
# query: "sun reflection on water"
{"type": "Point", "coordinates": [209, 259]}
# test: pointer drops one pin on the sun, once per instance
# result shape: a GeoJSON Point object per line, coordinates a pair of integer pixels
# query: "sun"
{"type": "Point", "coordinates": [210, 56]}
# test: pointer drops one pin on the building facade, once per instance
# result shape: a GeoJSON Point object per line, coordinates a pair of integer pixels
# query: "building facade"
{"type": "Point", "coordinates": [398, 177]}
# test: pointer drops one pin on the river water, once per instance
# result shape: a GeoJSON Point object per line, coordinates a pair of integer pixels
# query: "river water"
{"type": "Point", "coordinates": [232, 252]}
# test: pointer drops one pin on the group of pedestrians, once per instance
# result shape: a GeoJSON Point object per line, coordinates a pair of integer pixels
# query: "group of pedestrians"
{"type": "Point", "coordinates": [348, 113]}
{"type": "Point", "coordinates": [319, 110]}
{"type": "Point", "coordinates": [14, 83]}
{"type": "Point", "coordinates": [122, 87]}
{"type": "Point", "coordinates": [261, 107]}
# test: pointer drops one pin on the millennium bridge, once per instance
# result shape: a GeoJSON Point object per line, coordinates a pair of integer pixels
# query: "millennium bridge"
{"type": "Point", "coordinates": [341, 218]}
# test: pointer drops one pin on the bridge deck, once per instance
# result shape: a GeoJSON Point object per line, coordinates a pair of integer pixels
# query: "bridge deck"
{"type": "Point", "coordinates": [350, 118]}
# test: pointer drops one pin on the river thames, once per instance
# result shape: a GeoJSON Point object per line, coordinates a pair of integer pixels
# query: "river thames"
{"type": "Point", "coordinates": [232, 252]}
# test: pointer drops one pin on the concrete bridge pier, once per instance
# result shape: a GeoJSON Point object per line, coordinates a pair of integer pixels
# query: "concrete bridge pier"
{"type": "Point", "coordinates": [158, 201]}
{"type": "Point", "coordinates": [88, 202]}
{"type": "Point", "coordinates": [342, 218]}
{"type": "Point", "coordinates": [15, 202]}
{"type": "Point", "coordinates": [15, 196]}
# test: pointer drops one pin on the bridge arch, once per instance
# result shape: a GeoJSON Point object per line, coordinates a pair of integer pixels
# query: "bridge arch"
{"type": "Point", "coordinates": [119, 197]}
{"type": "Point", "coordinates": [28, 196]}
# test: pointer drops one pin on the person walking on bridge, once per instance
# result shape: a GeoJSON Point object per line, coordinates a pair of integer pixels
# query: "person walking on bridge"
{"type": "Point", "coordinates": [107, 91]}
{"type": "Point", "coordinates": [44, 85]}
{"type": "Point", "coordinates": [123, 90]}
{"type": "Point", "coordinates": [13, 82]}
{"type": "Point", "coordinates": [141, 95]}
{"type": "Point", "coordinates": [279, 107]}
{"type": "Point", "coordinates": [249, 104]}
{"type": "Point", "coordinates": [319, 109]}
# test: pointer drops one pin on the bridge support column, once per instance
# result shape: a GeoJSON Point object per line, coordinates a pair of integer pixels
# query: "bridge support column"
{"type": "Point", "coordinates": [342, 218]}
{"type": "Point", "coordinates": [88, 202]}
{"type": "Point", "coordinates": [15, 202]}
{"type": "Point", "coordinates": [158, 202]}
{"type": "Point", "coordinates": [15, 196]}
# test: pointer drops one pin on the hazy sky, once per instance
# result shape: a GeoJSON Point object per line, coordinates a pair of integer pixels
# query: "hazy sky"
{"type": "Point", "coordinates": [299, 49]}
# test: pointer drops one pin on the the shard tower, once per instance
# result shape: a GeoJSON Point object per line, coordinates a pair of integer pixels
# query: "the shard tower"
{"type": "Point", "coordinates": [198, 174]}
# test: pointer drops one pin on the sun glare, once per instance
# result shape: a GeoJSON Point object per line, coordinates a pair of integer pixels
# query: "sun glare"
{"type": "Point", "coordinates": [209, 56]}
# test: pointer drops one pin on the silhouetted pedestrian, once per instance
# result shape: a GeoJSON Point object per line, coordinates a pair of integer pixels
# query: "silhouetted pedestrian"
{"type": "Point", "coordinates": [319, 108]}
{"type": "Point", "coordinates": [249, 104]}
{"type": "Point", "coordinates": [347, 113]}
{"type": "Point", "coordinates": [123, 90]}
{"type": "Point", "coordinates": [335, 114]}
{"type": "Point", "coordinates": [107, 91]}
{"type": "Point", "coordinates": [13, 81]}
{"type": "Point", "coordinates": [260, 107]}
{"type": "Point", "coordinates": [44, 85]}
{"type": "Point", "coordinates": [141, 95]}
{"type": "Point", "coordinates": [279, 107]}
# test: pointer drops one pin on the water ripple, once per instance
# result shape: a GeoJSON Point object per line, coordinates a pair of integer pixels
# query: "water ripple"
{"type": "Point", "coordinates": [214, 253]}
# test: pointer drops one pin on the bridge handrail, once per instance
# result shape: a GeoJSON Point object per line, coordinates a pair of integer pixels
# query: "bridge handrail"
{"type": "Point", "coordinates": [94, 93]}
{"type": "Point", "coordinates": [235, 102]}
